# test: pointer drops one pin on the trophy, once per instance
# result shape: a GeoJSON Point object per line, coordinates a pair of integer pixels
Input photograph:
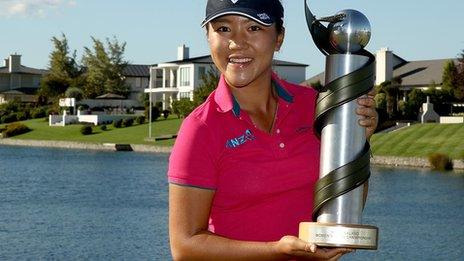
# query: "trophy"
{"type": "Point", "coordinates": [345, 152]}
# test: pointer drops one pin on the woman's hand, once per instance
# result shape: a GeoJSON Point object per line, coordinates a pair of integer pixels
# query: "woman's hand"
{"type": "Point", "coordinates": [366, 109]}
{"type": "Point", "coordinates": [294, 247]}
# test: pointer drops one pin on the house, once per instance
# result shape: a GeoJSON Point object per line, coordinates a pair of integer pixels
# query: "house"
{"type": "Point", "coordinates": [412, 74]}
{"type": "Point", "coordinates": [18, 81]}
{"type": "Point", "coordinates": [137, 77]}
{"type": "Point", "coordinates": [178, 79]}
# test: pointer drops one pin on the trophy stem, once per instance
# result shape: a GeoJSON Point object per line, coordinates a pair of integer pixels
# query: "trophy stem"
{"type": "Point", "coordinates": [342, 139]}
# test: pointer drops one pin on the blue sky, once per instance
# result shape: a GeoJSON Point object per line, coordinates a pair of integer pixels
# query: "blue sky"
{"type": "Point", "coordinates": [413, 29]}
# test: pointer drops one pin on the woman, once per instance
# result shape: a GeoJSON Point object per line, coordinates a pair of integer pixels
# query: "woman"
{"type": "Point", "coordinates": [243, 169]}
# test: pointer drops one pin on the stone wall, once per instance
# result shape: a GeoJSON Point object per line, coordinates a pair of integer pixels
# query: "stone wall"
{"type": "Point", "coordinates": [409, 162]}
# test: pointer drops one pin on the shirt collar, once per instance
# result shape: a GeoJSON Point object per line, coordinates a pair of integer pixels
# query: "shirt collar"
{"type": "Point", "coordinates": [227, 102]}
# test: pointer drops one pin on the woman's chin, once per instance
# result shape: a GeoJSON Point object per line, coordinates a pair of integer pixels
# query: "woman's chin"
{"type": "Point", "coordinates": [238, 82]}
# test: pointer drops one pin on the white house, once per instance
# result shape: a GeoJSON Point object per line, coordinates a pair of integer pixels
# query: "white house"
{"type": "Point", "coordinates": [19, 81]}
{"type": "Point", "coordinates": [178, 79]}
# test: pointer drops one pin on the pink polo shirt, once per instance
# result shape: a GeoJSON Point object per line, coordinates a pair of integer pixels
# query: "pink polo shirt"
{"type": "Point", "coordinates": [263, 182]}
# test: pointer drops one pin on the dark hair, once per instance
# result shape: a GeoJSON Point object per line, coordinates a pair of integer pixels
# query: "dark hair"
{"type": "Point", "coordinates": [279, 24]}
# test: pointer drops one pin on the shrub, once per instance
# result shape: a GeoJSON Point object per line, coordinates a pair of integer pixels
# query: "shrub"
{"type": "Point", "coordinates": [128, 122]}
{"type": "Point", "coordinates": [103, 127]}
{"type": "Point", "coordinates": [38, 113]}
{"type": "Point", "coordinates": [15, 129]}
{"type": "Point", "coordinates": [117, 123]}
{"type": "Point", "coordinates": [182, 107]}
{"type": "Point", "coordinates": [22, 116]}
{"type": "Point", "coordinates": [440, 161]}
{"type": "Point", "coordinates": [155, 113]}
{"type": "Point", "coordinates": [51, 111]}
{"type": "Point", "coordinates": [86, 130]}
{"type": "Point", "coordinates": [140, 119]}
{"type": "Point", "coordinates": [9, 118]}
{"type": "Point", "coordinates": [166, 114]}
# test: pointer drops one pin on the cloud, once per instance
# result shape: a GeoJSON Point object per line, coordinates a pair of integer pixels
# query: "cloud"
{"type": "Point", "coordinates": [32, 8]}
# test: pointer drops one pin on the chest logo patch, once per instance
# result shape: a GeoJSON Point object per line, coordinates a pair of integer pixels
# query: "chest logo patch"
{"type": "Point", "coordinates": [239, 141]}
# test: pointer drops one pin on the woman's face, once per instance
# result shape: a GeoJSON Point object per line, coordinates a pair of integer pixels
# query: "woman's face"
{"type": "Point", "coordinates": [242, 49]}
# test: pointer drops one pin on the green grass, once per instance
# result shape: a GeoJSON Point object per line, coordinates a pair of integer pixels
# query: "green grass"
{"type": "Point", "coordinates": [420, 140]}
{"type": "Point", "coordinates": [134, 135]}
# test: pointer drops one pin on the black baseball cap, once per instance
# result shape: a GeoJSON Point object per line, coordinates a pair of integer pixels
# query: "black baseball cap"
{"type": "Point", "coordinates": [265, 12]}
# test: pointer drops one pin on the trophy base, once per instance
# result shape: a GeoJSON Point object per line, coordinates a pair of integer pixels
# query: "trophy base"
{"type": "Point", "coordinates": [340, 235]}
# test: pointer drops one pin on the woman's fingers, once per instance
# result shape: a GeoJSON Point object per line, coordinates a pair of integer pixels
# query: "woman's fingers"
{"type": "Point", "coordinates": [366, 101]}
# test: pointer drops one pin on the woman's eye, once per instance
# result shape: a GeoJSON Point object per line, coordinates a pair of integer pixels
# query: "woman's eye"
{"type": "Point", "coordinates": [255, 28]}
{"type": "Point", "coordinates": [222, 29]}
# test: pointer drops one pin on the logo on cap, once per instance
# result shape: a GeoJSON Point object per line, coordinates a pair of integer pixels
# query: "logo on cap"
{"type": "Point", "coordinates": [234, 1]}
{"type": "Point", "coordinates": [264, 16]}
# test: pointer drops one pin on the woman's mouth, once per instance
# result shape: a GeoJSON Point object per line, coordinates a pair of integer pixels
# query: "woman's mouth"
{"type": "Point", "coordinates": [240, 61]}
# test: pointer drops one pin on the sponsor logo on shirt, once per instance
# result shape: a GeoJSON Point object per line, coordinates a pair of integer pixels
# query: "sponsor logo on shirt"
{"type": "Point", "coordinates": [303, 129]}
{"type": "Point", "coordinates": [239, 141]}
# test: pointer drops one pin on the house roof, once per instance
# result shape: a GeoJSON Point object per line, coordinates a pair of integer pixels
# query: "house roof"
{"type": "Point", "coordinates": [206, 59]}
{"type": "Point", "coordinates": [421, 73]}
{"type": "Point", "coordinates": [23, 90]}
{"type": "Point", "coordinates": [136, 70]}
{"type": "Point", "coordinates": [413, 73]}
{"type": "Point", "coordinates": [25, 70]}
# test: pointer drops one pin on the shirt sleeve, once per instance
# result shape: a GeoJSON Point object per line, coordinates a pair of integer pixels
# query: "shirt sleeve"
{"type": "Point", "coordinates": [192, 162]}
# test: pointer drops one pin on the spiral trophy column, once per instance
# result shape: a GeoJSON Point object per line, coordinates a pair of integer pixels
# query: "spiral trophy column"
{"type": "Point", "coordinates": [345, 152]}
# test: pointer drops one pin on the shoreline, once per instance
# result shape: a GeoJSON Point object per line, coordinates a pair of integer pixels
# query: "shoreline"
{"type": "Point", "coordinates": [388, 161]}
{"type": "Point", "coordinates": [85, 146]}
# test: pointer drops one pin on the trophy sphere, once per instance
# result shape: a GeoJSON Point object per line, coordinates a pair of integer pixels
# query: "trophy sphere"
{"type": "Point", "coordinates": [350, 34]}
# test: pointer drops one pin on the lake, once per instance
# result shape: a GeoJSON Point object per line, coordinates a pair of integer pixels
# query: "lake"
{"type": "Point", "coordinates": [72, 204]}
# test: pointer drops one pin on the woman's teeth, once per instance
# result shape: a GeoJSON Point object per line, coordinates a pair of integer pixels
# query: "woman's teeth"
{"type": "Point", "coordinates": [240, 60]}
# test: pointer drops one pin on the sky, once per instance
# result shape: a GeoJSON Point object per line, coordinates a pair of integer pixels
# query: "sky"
{"type": "Point", "coordinates": [153, 29]}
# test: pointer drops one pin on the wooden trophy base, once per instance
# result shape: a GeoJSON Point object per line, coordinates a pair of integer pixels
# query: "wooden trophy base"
{"type": "Point", "coordinates": [340, 235]}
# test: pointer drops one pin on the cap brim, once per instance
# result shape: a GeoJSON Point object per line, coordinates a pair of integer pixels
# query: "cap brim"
{"type": "Point", "coordinates": [237, 12]}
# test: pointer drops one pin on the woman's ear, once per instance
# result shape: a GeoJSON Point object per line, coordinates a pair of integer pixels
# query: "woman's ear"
{"type": "Point", "coordinates": [280, 39]}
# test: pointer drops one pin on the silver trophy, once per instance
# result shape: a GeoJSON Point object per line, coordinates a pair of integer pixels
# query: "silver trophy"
{"type": "Point", "coordinates": [345, 153]}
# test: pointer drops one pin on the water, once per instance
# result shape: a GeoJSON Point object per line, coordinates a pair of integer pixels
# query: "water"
{"type": "Point", "coordinates": [70, 204]}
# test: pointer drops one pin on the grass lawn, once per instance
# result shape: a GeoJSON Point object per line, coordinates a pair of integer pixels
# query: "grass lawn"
{"type": "Point", "coordinates": [415, 141]}
{"type": "Point", "coordinates": [420, 140]}
{"type": "Point", "coordinates": [134, 135]}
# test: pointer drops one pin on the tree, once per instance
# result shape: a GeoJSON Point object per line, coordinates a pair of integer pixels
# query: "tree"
{"type": "Point", "coordinates": [209, 82]}
{"type": "Point", "coordinates": [63, 70]}
{"type": "Point", "coordinates": [415, 100]}
{"type": "Point", "coordinates": [182, 107]}
{"type": "Point", "coordinates": [459, 88]}
{"type": "Point", "coordinates": [391, 90]}
{"type": "Point", "coordinates": [104, 68]}
{"type": "Point", "coordinates": [317, 85]}
{"type": "Point", "coordinates": [449, 76]}
{"type": "Point", "coordinates": [74, 92]}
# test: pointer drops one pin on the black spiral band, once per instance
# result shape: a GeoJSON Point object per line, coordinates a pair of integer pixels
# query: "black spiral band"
{"type": "Point", "coordinates": [336, 93]}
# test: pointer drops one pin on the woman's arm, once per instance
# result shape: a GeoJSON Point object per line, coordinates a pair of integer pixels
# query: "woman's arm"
{"type": "Point", "coordinates": [189, 210]}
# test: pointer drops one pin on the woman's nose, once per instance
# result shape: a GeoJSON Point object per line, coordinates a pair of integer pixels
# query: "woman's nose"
{"type": "Point", "coordinates": [238, 41]}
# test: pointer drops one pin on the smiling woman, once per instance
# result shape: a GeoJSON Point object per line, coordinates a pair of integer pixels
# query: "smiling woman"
{"type": "Point", "coordinates": [243, 169]}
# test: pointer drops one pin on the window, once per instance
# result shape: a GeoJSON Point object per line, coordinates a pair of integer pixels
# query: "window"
{"type": "Point", "coordinates": [183, 95]}
{"type": "Point", "coordinates": [201, 72]}
{"type": "Point", "coordinates": [184, 76]}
